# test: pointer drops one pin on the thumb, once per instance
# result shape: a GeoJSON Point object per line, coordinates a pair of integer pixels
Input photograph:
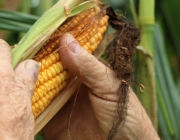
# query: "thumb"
{"type": "Point", "coordinates": [26, 73]}
{"type": "Point", "coordinates": [99, 78]}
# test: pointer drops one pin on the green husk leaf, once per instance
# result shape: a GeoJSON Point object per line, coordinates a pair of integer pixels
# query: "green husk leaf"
{"type": "Point", "coordinates": [75, 11]}
{"type": "Point", "coordinates": [83, 7]}
{"type": "Point", "coordinates": [45, 26]}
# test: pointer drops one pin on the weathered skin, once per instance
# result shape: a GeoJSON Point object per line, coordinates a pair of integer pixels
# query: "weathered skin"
{"type": "Point", "coordinates": [94, 109]}
{"type": "Point", "coordinates": [96, 102]}
{"type": "Point", "coordinates": [16, 88]}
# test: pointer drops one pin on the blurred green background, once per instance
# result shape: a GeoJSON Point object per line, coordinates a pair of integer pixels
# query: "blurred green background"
{"type": "Point", "coordinates": [157, 60]}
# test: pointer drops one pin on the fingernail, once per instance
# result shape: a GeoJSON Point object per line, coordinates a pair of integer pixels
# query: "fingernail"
{"type": "Point", "coordinates": [72, 44]}
{"type": "Point", "coordinates": [32, 69]}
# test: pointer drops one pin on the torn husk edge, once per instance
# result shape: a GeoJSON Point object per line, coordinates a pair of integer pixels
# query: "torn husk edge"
{"type": "Point", "coordinates": [45, 26]}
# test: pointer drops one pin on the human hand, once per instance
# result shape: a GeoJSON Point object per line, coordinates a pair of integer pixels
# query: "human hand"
{"type": "Point", "coordinates": [90, 114]}
{"type": "Point", "coordinates": [16, 88]}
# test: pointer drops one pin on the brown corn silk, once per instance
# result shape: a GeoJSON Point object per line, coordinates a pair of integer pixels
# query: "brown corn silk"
{"type": "Point", "coordinates": [121, 51]}
{"type": "Point", "coordinates": [88, 28]}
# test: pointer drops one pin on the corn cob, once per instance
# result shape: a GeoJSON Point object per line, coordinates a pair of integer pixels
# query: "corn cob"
{"type": "Point", "coordinates": [88, 28]}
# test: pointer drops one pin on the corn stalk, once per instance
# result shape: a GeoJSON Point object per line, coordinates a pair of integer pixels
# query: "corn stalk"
{"type": "Point", "coordinates": [145, 65]}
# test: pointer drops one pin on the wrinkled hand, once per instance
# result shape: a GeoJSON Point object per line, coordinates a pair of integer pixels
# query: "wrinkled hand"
{"type": "Point", "coordinates": [16, 88]}
{"type": "Point", "coordinates": [95, 105]}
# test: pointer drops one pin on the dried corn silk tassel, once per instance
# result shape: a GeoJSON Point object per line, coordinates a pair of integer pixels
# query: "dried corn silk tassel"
{"type": "Point", "coordinates": [121, 51]}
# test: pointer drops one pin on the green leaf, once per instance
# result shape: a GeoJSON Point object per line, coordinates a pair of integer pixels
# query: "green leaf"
{"type": "Point", "coordinates": [168, 90]}
{"type": "Point", "coordinates": [18, 16]}
{"type": "Point", "coordinates": [14, 25]}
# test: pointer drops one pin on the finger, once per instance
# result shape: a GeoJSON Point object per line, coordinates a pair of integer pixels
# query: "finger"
{"type": "Point", "coordinates": [104, 111]}
{"type": "Point", "coordinates": [99, 78]}
{"type": "Point", "coordinates": [27, 72]}
{"type": "Point", "coordinates": [5, 58]}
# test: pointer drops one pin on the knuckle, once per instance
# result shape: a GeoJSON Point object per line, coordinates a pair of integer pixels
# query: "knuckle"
{"type": "Point", "coordinates": [2, 42]}
{"type": "Point", "coordinates": [6, 71]}
{"type": "Point", "coordinates": [4, 46]}
{"type": "Point", "coordinates": [5, 57]}
{"type": "Point", "coordinates": [5, 74]}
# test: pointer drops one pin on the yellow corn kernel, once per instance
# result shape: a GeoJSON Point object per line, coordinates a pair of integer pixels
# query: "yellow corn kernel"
{"type": "Point", "coordinates": [88, 28]}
